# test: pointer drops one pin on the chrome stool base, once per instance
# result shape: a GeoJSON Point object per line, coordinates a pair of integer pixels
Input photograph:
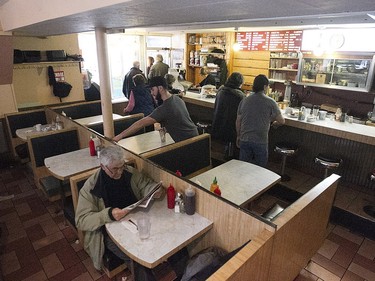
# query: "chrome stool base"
{"type": "Point", "coordinates": [285, 149]}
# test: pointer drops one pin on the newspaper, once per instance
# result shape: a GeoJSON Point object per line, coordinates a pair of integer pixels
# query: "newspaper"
{"type": "Point", "coordinates": [145, 201]}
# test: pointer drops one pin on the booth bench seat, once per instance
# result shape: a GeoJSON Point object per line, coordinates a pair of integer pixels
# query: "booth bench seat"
{"type": "Point", "coordinates": [49, 144]}
{"type": "Point", "coordinates": [191, 156]}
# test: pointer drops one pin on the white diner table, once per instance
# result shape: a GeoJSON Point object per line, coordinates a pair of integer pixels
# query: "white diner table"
{"type": "Point", "coordinates": [142, 143]}
{"type": "Point", "coordinates": [23, 133]}
{"type": "Point", "coordinates": [169, 233]}
{"type": "Point", "coordinates": [240, 182]}
{"type": "Point", "coordinates": [66, 165]}
{"type": "Point", "coordinates": [90, 120]}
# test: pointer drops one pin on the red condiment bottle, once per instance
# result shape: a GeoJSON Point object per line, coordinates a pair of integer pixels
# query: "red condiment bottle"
{"type": "Point", "coordinates": [171, 196]}
{"type": "Point", "coordinates": [92, 147]}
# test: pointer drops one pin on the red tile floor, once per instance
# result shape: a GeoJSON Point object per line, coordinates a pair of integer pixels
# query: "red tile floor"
{"type": "Point", "coordinates": [36, 244]}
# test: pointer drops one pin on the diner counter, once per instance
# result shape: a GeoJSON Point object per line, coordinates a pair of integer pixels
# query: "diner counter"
{"type": "Point", "coordinates": [197, 99]}
{"type": "Point", "coordinates": [350, 131]}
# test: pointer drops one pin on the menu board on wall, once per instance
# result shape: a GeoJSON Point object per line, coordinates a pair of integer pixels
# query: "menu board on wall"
{"type": "Point", "coordinates": [282, 40]}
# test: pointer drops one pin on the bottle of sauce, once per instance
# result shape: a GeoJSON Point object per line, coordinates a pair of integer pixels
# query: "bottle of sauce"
{"type": "Point", "coordinates": [171, 197]}
{"type": "Point", "coordinates": [214, 185]}
{"type": "Point", "coordinates": [217, 191]}
{"type": "Point", "coordinates": [338, 114]}
{"type": "Point", "coordinates": [92, 146]}
{"type": "Point", "coordinates": [190, 201]}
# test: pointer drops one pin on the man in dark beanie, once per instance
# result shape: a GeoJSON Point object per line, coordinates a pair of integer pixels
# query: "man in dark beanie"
{"type": "Point", "coordinates": [171, 114]}
{"type": "Point", "coordinates": [255, 115]}
{"type": "Point", "coordinates": [225, 113]}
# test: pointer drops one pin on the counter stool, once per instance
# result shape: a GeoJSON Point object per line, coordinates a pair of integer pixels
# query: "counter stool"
{"type": "Point", "coordinates": [370, 209]}
{"type": "Point", "coordinates": [203, 126]}
{"type": "Point", "coordinates": [285, 149]}
{"type": "Point", "coordinates": [328, 162]}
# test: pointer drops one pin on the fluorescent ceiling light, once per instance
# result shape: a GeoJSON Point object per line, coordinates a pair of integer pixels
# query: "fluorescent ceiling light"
{"type": "Point", "coordinates": [371, 16]}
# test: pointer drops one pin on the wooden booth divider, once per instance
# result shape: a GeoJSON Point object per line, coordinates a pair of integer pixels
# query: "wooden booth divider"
{"type": "Point", "coordinates": [272, 250]}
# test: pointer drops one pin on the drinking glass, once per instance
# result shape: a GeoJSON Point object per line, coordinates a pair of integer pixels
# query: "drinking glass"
{"type": "Point", "coordinates": [144, 227]}
{"type": "Point", "coordinates": [162, 133]}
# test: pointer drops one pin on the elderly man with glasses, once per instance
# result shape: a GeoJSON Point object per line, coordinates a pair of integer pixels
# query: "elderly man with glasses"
{"type": "Point", "coordinates": [102, 199]}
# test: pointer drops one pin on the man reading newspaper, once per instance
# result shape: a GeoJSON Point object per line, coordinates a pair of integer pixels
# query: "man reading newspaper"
{"type": "Point", "coordinates": [104, 198]}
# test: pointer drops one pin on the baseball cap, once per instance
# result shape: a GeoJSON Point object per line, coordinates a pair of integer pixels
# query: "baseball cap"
{"type": "Point", "coordinates": [157, 81]}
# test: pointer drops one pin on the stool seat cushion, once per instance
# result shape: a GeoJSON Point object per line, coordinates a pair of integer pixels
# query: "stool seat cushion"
{"type": "Point", "coordinates": [329, 159]}
{"type": "Point", "coordinates": [203, 124]}
{"type": "Point", "coordinates": [286, 148]}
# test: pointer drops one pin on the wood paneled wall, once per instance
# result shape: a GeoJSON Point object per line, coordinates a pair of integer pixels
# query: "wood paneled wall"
{"type": "Point", "coordinates": [250, 64]}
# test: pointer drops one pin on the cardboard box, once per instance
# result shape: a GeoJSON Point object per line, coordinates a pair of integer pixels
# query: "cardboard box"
{"type": "Point", "coordinates": [321, 78]}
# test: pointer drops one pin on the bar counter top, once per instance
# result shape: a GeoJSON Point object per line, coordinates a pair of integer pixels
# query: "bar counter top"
{"type": "Point", "coordinates": [351, 131]}
{"type": "Point", "coordinates": [196, 98]}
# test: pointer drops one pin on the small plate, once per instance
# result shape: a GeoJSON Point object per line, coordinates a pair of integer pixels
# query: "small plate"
{"type": "Point", "coordinates": [292, 115]}
{"type": "Point", "coordinates": [310, 119]}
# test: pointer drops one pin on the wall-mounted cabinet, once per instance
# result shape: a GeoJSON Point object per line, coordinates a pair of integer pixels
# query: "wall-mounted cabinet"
{"type": "Point", "coordinates": [354, 72]}
{"type": "Point", "coordinates": [283, 66]}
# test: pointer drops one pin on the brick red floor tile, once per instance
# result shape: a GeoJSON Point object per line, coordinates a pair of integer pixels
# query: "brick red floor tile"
{"type": "Point", "coordinates": [68, 257]}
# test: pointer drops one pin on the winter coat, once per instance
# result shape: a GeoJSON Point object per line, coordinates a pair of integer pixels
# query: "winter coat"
{"type": "Point", "coordinates": [92, 214]}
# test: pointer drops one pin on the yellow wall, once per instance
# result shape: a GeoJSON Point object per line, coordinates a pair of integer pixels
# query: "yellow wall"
{"type": "Point", "coordinates": [30, 80]}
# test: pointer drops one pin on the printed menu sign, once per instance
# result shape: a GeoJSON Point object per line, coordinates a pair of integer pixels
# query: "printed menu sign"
{"type": "Point", "coordinates": [283, 40]}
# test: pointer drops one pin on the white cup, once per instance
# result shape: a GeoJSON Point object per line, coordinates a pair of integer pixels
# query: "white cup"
{"type": "Point", "coordinates": [144, 227]}
{"type": "Point", "coordinates": [322, 114]}
{"type": "Point", "coordinates": [38, 127]}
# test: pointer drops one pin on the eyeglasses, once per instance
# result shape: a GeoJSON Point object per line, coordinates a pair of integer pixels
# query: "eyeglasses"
{"type": "Point", "coordinates": [115, 170]}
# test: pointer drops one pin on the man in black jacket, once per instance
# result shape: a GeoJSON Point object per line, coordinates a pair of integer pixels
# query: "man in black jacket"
{"type": "Point", "coordinates": [128, 79]}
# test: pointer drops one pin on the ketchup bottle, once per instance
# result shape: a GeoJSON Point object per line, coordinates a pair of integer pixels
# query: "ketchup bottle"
{"type": "Point", "coordinates": [171, 196]}
{"type": "Point", "coordinates": [92, 147]}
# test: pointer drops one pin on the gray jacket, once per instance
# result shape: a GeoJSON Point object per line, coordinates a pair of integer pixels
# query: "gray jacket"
{"type": "Point", "coordinates": [91, 213]}
{"type": "Point", "coordinates": [158, 69]}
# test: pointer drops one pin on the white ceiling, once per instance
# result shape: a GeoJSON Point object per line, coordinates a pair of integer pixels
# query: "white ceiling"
{"type": "Point", "coordinates": [190, 15]}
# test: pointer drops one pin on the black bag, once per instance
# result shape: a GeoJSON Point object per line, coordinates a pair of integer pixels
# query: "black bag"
{"type": "Point", "coordinates": [60, 89]}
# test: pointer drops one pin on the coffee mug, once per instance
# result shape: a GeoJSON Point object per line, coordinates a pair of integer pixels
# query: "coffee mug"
{"type": "Point", "coordinates": [322, 114]}
{"type": "Point", "coordinates": [38, 127]}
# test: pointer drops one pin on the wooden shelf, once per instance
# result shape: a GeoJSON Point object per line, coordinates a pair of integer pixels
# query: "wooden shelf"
{"type": "Point", "coordinates": [284, 69]}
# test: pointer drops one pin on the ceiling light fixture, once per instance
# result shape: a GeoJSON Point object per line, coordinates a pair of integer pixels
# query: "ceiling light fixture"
{"type": "Point", "coordinates": [371, 16]}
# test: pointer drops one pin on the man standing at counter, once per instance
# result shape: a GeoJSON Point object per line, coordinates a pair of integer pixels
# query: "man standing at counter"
{"type": "Point", "coordinates": [254, 116]}
{"type": "Point", "coordinates": [172, 114]}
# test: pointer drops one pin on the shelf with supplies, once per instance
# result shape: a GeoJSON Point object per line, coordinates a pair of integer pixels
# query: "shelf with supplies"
{"type": "Point", "coordinates": [354, 72]}
{"type": "Point", "coordinates": [200, 47]}
{"type": "Point", "coordinates": [283, 66]}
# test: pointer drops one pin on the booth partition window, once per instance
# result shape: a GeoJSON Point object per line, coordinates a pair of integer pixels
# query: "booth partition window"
{"type": "Point", "coordinates": [123, 50]}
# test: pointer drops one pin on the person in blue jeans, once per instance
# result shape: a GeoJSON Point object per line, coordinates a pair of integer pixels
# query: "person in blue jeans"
{"type": "Point", "coordinates": [255, 114]}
